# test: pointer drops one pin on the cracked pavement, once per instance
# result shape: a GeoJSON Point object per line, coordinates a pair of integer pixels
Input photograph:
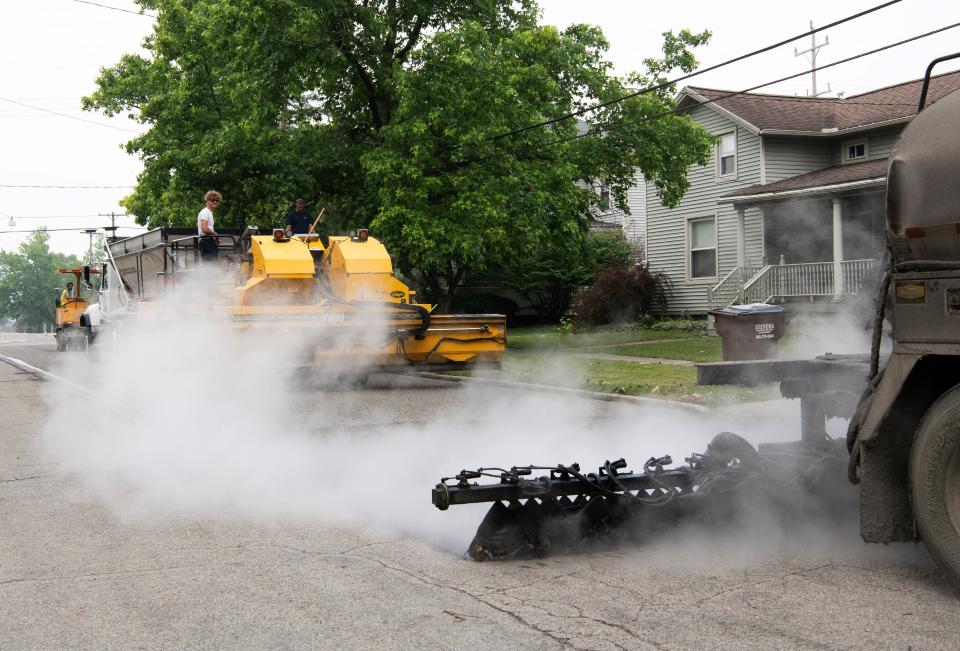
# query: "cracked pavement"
{"type": "Point", "coordinates": [74, 573]}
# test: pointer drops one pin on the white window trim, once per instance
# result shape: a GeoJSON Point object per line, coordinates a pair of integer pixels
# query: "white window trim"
{"type": "Point", "coordinates": [856, 141]}
{"type": "Point", "coordinates": [736, 156]}
{"type": "Point", "coordinates": [703, 280]}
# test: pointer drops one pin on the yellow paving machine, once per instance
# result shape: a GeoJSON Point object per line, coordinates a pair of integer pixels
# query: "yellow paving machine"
{"type": "Point", "coordinates": [342, 300]}
{"type": "Point", "coordinates": [70, 332]}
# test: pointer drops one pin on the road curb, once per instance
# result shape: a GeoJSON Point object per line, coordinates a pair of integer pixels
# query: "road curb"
{"type": "Point", "coordinates": [42, 374]}
{"type": "Point", "coordinates": [592, 395]}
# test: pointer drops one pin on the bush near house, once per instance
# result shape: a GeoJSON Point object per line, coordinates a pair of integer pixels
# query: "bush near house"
{"type": "Point", "coordinates": [620, 295]}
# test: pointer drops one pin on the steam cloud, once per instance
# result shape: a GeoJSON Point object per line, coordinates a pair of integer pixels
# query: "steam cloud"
{"type": "Point", "coordinates": [194, 417]}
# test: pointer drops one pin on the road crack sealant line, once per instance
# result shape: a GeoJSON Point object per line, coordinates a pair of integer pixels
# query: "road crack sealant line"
{"type": "Point", "coordinates": [545, 388]}
{"type": "Point", "coordinates": [42, 374]}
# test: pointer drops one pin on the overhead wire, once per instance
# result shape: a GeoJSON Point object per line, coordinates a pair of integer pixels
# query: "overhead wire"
{"type": "Point", "coordinates": [69, 187]}
{"type": "Point", "coordinates": [55, 216]}
{"type": "Point", "coordinates": [677, 111]}
{"type": "Point", "coordinates": [72, 117]}
{"type": "Point", "coordinates": [56, 230]}
{"type": "Point", "coordinates": [667, 84]}
{"type": "Point", "coordinates": [126, 11]}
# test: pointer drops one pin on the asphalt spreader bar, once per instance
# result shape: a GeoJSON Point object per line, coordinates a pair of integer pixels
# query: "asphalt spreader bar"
{"type": "Point", "coordinates": [42, 374]}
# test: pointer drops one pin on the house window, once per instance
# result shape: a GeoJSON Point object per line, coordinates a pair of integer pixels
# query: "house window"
{"type": "Point", "coordinates": [702, 238]}
{"type": "Point", "coordinates": [855, 150]}
{"type": "Point", "coordinates": [604, 198]}
{"type": "Point", "coordinates": [727, 154]}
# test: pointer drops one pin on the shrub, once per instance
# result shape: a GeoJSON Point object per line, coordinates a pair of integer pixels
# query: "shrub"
{"type": "Point", "coordinates": [620, 295]}
{"type": "Point", "coordinates": [687, 325]}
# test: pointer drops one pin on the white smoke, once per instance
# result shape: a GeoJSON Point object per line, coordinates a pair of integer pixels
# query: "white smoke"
{"type": "Point", "coordinates": [195, 417]}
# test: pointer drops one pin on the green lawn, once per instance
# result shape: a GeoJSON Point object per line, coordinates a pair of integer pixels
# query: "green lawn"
{"type": "Point", "coordinates": [667, 381]}
{"type": "Point", "coordinates": [547, 337]}
{"type": "Point", "coordinates": [699, 349]}
{"type": "Point", "coordinates": [622, 377]}
{"type": "Point", "coordinates": [543, 355]}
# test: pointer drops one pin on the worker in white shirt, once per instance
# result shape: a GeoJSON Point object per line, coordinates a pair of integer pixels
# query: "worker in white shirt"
{"type": "Point", "coordinates": [209, 239]}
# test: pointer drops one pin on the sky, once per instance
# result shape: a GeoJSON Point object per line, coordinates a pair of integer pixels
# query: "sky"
{"type": "Point", "coordinates": [51, 52]}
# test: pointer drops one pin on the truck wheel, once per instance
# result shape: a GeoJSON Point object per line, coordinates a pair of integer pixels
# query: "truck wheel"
{"type": "Point", "coordinates": [935, 482]}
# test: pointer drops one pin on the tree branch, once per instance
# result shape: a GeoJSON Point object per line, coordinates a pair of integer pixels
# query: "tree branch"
{"type": "Point", "coordinates": [412, 39]}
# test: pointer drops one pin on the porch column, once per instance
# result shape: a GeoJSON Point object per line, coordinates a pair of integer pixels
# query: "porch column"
{"type": "Point", "coordinates": [741, 238]}
{"type": "Point", "coordinates": [837, 249]}
{"type": "Point", "coordinates": [741, 254]}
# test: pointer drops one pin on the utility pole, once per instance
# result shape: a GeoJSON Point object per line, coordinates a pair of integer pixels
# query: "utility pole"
{"type": "Point", "coordinates": [91, 232]}
{"type": "Point", "coordinates": [812, 51]}
{"type": "Point", "coordinates": [112, 228]}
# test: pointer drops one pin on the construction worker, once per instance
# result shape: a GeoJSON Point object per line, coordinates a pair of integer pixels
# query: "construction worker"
{"type": "Point", "coordinates": [298, 220]}
{"type": "Point", "coordinates": [209, 238]}
{"type": "Point", "coordinates": [67, 294]}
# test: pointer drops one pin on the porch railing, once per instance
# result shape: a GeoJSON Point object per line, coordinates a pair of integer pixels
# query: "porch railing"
{"type": "Point", "coordinates": [857, 275]}
{"type": "Point", "coordinates": [807, 279]}
{"type": "Point", "coordinates": [730, 288]}
{"type": "Point", "coordinates": [789, 280]}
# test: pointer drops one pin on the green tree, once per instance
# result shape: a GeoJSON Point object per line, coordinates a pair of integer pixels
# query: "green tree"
{"type": "Point", "coordinates": [267, 100]}
{"type": "Point", "coordinates": [456, 197]}
{"type": "Point", "coordinates": [550, 279]}
{"type": "Point", "coordinates": [29, 282]}
{"type": "Point", "coordinates": [388, 111]}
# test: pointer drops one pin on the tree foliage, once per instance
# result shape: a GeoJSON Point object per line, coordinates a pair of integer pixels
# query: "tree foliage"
{"type": "Point", "coordinates": [29, 282]}
{"type": "Point", "coordinates": [267, 100]}
{"type": "Point", "coordinates": [391, 113]}
{"type": "Point", "coordinates": [549, 279]}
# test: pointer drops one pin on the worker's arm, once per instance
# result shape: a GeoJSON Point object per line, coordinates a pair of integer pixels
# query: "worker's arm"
{"type": "Point", "coordinates": [205, 228]}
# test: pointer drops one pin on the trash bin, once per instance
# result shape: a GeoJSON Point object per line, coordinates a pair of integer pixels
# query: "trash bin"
{"type": "Point", "coordinates": [749, 331]}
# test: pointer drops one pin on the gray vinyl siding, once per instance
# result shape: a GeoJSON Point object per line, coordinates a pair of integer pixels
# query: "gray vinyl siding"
{"type": "Point", "coordinates": [753, 237]}
{"type": "Point", "coordinates": [666, 227]}
{"type": "Point", "coordinates": [788, 157]}
{"type": "Point", "coordinates": [879, 144]}
{"type": "Point", "coordinates": [634, 224]}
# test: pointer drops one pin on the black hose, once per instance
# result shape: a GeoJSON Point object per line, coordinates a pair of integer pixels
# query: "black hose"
{"type": "Point", "coordinates": [853, 429]}
{"type": "Point", "coordinates": [421, 311]}
{"type": "Point", "coordinates": [879, 313]}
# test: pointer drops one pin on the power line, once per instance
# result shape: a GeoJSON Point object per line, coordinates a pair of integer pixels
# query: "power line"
{"type": "Point", "coordinates": [56, 230]}
{"type": "Point", "coordinates": [52, 216]}
{"type": "Point", "coordinates": [769, 83]}
{"type": "Point", "coordinates": [126, 11]}
{"type": "Point", "coordinates": [72, 117]}
{"type": "Point", "coordinates": [666, 84]}
{"type": "Point", "coordinates": [69, 187]}
{"type": "Point", "coordinates": [677, 111]}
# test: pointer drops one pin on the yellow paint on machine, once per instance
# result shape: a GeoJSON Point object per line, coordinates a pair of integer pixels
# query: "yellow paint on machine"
{"type": "Point", "coordinates": [348, 294]}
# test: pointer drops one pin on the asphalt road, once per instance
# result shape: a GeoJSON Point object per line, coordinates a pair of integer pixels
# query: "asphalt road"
{"type": "Point", "coordinates": [326, 539]}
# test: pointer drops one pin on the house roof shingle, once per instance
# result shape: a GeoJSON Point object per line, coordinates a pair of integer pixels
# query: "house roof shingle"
{"type": "Point", "coordinates": [828, 114]}
{"type": "Point", "coordinates": [825, 178]}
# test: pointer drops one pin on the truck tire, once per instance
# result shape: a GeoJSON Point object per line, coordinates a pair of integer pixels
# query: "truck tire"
{"type": "Point", "coordinates": [935, 482]}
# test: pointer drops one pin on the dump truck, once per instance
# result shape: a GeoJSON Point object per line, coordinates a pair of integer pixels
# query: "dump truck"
{"type": "Point", "coordinates": [902, 449]}
{"type": "Point", "coordinates": [342, 298]}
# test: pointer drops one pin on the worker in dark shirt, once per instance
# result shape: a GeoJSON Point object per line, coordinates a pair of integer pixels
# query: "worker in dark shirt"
{"type": "Point", "coordinates": [298, 221]}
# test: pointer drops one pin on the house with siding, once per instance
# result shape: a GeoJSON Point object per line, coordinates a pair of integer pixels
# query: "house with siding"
{"type": "Point", "coordinates": [632, 223]}
{"type": "Point", "coordinates": [792, 204]}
